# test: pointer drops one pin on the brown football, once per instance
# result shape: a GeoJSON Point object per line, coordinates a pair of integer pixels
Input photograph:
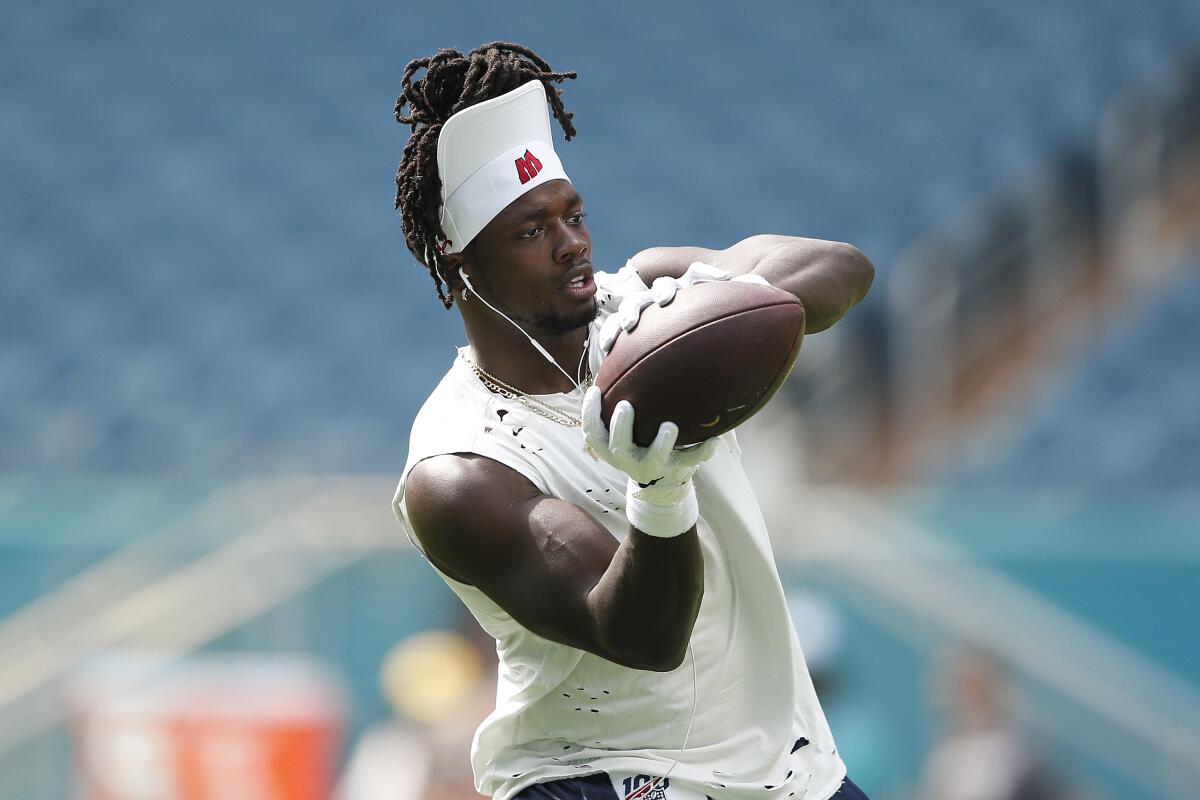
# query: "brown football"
{"type": "Point", "coordinates": [707, 361]}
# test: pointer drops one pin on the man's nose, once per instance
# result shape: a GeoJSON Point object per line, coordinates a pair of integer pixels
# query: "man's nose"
{"type": "Point", "coordinates": [572, 243]}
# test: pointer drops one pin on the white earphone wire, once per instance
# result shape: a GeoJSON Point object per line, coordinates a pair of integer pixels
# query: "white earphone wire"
{"type": "Point", "coordinates": [536, 344]}
{"type": "Point", "coordinates": [646, 787]}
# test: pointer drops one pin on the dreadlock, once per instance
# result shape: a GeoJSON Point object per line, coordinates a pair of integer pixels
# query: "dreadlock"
{"type": "Point", "coordinates": [451, 83]}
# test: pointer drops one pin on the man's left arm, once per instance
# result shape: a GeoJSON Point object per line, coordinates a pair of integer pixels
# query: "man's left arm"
{"type": "Point", "coordinates": [827, 277]}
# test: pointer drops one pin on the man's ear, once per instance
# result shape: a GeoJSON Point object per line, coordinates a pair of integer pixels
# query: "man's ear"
{"type": "Point", "coordinates": [449, 265]}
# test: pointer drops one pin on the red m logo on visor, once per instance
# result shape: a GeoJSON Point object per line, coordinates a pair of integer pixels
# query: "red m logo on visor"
{"type": "Point", "coordinates": [528, 167]}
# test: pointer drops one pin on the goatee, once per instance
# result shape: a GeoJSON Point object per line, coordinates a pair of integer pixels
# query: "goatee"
{"type": "Point", "coordinates": [552, 323]}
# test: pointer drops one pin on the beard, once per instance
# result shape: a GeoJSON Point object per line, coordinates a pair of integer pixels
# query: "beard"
{"type": "Point", "coordinates": [546, 322]}
{"type": "Point", "coordinates": [562, 323]}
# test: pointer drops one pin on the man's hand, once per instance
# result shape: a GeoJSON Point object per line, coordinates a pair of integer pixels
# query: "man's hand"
{"type": "Point", "coordinates": [661, 292]}
{"type": "Point", "coordinates": [657, 464]}
{"type": "Point", "coordinates": [626, 317]}
{"type": "Point", "coordinates": [659, 498]}
{"type": "Point", "coordinates": [699, 272]}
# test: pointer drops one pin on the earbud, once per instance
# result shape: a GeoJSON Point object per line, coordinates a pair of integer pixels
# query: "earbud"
{"type": "Point", "coordinates": [438, 271]}
{"type": "Point", "coordinates": [432, 261]}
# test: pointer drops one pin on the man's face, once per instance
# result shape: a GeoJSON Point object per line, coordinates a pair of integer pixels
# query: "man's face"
{"type": "Point", "coordinates": [534, 261]}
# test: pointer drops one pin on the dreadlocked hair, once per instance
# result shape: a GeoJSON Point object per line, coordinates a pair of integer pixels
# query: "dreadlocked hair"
{"type": "Point", "coordinates": [451, 83]}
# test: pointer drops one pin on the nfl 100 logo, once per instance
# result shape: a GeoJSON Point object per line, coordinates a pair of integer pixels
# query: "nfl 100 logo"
{"type": "Point", "coordinates": [645, 787]}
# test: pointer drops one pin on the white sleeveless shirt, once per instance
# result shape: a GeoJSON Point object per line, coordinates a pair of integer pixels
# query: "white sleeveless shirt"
{"type": "Point", "coordinates": [758, 730]}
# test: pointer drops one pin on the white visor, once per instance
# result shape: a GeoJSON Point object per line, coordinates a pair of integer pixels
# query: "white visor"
{"type": "Point", "coordinates": [489, 155]}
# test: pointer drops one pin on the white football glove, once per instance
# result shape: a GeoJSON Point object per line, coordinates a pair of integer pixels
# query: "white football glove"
{"type": "Point", "coordinates": [660, 499]}
{"type": "Point", "coordinates": [699, 272]}
{"type": "Point", "coordinates": [626, 317]}
{"type": "Point", "coordinates": [662, 292]}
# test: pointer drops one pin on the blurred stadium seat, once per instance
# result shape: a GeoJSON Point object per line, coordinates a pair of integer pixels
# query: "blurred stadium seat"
{"type": "Point", "coordinates": [200, 247]}
{"type": "Point", "coordinates": [1120, 414]}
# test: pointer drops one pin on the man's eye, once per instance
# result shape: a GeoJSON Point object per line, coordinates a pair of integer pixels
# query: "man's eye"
{"type": "Point", "coordinates": [531, 232]}
{"type": "Point", "coordinates": [576, 219]}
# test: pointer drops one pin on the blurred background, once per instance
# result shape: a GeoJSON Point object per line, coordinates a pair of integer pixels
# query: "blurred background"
{"type": "Point", "coordinates": [984, 484]}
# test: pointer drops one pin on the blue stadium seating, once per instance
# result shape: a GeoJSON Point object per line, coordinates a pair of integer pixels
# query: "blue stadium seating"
{"type": "Point", "coordinates": [1123, 414]}
{"type": "Point", "coordinates": [202, 270]}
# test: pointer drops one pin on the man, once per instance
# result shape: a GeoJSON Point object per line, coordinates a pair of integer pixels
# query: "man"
{"type": "Point", "coordinates": [644, 642]}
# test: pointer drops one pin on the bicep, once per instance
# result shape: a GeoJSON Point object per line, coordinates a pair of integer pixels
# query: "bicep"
{"type": "Point", "coordinates": [535, 556]}
{"type": "Point", "coordinates": [739, 258]}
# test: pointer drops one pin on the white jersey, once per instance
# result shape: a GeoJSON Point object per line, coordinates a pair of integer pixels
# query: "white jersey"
{"type": "Point", "coordinates": [758, 730]}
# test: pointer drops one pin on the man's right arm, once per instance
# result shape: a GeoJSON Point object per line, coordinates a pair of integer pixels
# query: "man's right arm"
{"type": "Point", "coordinates": [552, 567]}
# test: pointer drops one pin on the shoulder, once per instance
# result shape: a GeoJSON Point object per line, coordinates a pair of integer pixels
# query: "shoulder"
{"type": "Point", "coordinates": [450, 398]}
{"type": "Point", "coordinates": [450, 419]}
{"type": "Point", "coordinates": [460, 503]}
{"type": "Point", "coordinates": [458, 487]}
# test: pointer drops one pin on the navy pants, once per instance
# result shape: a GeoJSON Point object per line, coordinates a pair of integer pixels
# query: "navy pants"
{"type": "Point", "coordinates": [598, 787]}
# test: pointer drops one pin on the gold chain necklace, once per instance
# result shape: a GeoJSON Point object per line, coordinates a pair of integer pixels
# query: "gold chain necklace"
{"type": "Point", "coordinates": [539, 407]}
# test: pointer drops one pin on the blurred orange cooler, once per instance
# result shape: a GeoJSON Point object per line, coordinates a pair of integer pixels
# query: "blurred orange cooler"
{"type": "Point", "coordinates": [209, 728]}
